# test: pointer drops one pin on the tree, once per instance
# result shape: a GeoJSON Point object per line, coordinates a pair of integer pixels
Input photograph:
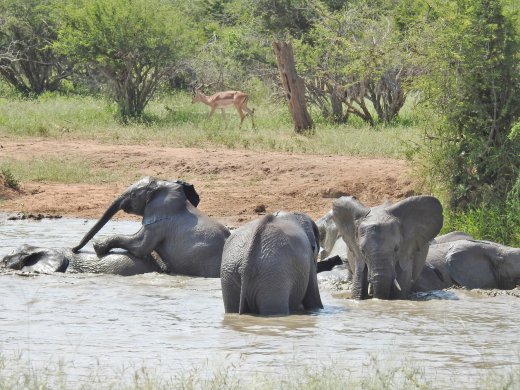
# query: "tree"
{"type": "Point", "coordinates": [358, 55]}
{"type": "Point", "coordinates": [293, 86]}
{"type": "Point", "coordinates": [134, 43]}
{"type": "Point", "coordinates": [27, 61]}
{"type": "Point", "coordinates": [474, 81]}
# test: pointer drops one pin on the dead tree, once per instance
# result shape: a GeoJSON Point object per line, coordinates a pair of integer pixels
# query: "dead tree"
{"type": "Point", "coordinates": [293, 86]}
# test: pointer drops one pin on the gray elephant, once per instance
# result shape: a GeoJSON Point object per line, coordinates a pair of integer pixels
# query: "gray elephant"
{"type": "Point", "coordinates": [30, 258]}
{"type": "Point", "coordinates": [333, 250]}
{"type": "Point", "coordinates": [269, 266]}
{"type": "Point", "coordinates": [451, 236]}
{"type": "Point", "coordinates": [470, 264]}
{"type": "Point", "coordinates": [188, 241]}
{"type": "Point", "coordinates": [388, 244]}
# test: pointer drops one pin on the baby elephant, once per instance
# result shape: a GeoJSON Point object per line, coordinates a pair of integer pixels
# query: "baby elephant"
{"type": "Point", "coordinates": [30, 258]}
{"type": "Point", "coordinates": [269, 266]}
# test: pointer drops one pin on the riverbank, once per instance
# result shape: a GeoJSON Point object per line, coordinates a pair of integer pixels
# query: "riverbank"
{"type": "Point", "coordinates": [80, 178]}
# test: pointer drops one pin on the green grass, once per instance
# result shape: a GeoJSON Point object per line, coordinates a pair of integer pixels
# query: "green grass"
{"type": "Point", "coordinates": [55, 169]}
{"type": "Point", "coordinates": [172, 120]}
{"type": "Point", "coordinates": [18, 373]}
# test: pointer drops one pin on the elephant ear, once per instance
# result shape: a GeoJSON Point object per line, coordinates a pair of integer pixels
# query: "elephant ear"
{"type": "Point", "coordinates": [420, 218]}
{"type": "Point", "coordinates": [345, 212]}
{"type": "Point", "coordinates": [316, 244]}
{"type": "Point", "coordinates": [189, 191]}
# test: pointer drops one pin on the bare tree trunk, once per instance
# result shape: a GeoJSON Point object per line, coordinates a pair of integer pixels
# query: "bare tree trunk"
{"type": "Point", "coordinates": [293, 85]}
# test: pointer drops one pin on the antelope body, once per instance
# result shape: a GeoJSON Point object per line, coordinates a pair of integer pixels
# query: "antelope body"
{"type": "Point", "coordinates": [223, 100]}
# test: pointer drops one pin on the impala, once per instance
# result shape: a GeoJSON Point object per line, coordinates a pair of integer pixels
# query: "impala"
{"type": "Point", "coordinates": [225, 99]}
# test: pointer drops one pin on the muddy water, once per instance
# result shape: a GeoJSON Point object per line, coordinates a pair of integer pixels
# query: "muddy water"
{"type": "Point", "coordinates": [113, 325]}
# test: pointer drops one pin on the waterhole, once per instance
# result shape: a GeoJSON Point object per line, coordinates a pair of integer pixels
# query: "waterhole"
{"type": "Point", "coordinates": [112, 324]}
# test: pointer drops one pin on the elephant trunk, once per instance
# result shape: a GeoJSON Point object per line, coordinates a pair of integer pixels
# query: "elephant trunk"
{"type": "Point", "coordinates": [381, 288]}
{"type": "Point", "coordinates": [109, 213]}
{"type": "Point", "coordinates": [384, 284]}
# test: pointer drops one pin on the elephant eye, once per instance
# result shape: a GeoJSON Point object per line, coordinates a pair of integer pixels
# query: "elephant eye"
{"type": "Point", "coordinates": [396, 249]}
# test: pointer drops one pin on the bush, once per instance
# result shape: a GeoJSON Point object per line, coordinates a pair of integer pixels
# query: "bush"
{"type": "Point", "coordinates": [10, 180]}
{"type": "Point", "coordinates": [499, 222]}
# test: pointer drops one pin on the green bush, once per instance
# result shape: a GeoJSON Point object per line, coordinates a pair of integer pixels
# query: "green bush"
{"type": "Point", "coordinates": [499, 222]}
{"type": "Point", "coordinates": [10, 179]}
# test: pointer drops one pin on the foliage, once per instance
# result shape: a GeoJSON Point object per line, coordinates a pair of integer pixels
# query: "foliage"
{"type": "Point", "coordinates": [286, 18]}
{"type": "Point", "coordinates": [474, 83]}
{"type": "Point", "coordinates": [499, 222]}
{"type": "Point", "coordinates": [27, 61]}
{"type": "Point", "coordinates": [9, 178]}
{"type": "Point", "coordinates": [134, 43]}
{"type": "Point", "coordinates": [354, 55]}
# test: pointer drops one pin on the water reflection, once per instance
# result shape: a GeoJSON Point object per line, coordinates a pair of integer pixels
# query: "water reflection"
{"type": "Point", "coordinates": [169, 323]}
{"type": "Point", "coordinates": [298, 325]}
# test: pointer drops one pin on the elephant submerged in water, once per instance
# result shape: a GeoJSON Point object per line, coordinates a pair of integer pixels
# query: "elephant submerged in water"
{"type": "Point", "coordinates": [269, 266]}
{"type": "Point", "coordinates": [188, 241]}
{"type": "Point", "coordinates": [30, 258]}
{"type": "Point", "coordinates": [470, 264]}
{"type": "Point", "coordinates": [387, 244]}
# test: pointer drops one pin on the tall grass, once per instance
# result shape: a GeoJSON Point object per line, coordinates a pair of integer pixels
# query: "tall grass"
{"type": "Point", "coordinates": [18, 373]}
{"type": "Point", "coordinates": [172, 120]}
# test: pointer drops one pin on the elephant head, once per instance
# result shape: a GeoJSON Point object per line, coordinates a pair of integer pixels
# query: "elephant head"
{"type": "Point", "coordinates": [328, 234]}
{"type": "Point", "coordinates": [483, 264]}
{"type": "Point", "coordinates": [388, 243]}
{"type": "Point", "coordinates": [144, 198]}
{"type": "Point", "coordinates": [35, 259]}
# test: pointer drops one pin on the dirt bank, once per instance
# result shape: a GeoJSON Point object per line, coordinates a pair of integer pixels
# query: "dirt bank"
{"type": "Point", "coordinates": [234, 185]}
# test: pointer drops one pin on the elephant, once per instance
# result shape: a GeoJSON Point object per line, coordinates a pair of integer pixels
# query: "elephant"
{"type": "Point", "coordinates": [36, 259]}
{"type": "Point", "coordinates": [388, 243]}
{"type": "Point", "coordinates": [333, 248]}
{"type": "Point", "coordinates": [269, 266]}
{"type": "Point", "coordinates": [452, 236]}
{"type": "Point", "coordinates": [470, 264]}
{"type": "Point", "coordinates": [188, 241]}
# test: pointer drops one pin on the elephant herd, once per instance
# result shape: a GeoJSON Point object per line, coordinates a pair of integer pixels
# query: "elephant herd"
{"type": "Point", "coordinates": [269, 266]}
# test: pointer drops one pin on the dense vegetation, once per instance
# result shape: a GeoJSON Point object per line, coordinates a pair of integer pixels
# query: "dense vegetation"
{"type": "Point", "coordinates": [445, 69]}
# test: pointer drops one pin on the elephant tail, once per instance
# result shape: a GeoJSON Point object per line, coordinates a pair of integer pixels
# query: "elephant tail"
{"type": "Point", "coordinates": [251, 266]}
{"type": "Point", "coordinates": [242, 308]}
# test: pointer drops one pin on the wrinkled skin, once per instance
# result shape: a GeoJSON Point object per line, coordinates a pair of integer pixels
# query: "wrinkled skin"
{"type": "Point", "coordinates": [188, 241]}
{"type": "Point", "coordinates": [269, 266]}
{"type": "Point", "coordinates": [28, 258]}
{"type": "Point", "coordinates": [470, 264]}
{"type": "Point", "coordinates": [333, 248]}
{"type": "Point", "coordinates": [387, 244]}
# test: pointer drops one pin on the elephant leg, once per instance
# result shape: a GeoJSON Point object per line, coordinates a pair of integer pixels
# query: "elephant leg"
{"type": "Point", "coordinates": [231, 294]}
{"type": "Point", "coordinates": [312, 299]}
{"type": "Point", "coordinates": [140, 244]}
{"type": "Point", "coordinates": [360, 282]}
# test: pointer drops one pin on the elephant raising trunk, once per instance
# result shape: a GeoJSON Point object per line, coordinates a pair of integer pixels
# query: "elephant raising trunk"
{"type": "Point", "coordinates": [134, 201]}
{"type": "Point", "coordinates": [187, 241]}
{"type": "Point", "coordinates": [109, 213]}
